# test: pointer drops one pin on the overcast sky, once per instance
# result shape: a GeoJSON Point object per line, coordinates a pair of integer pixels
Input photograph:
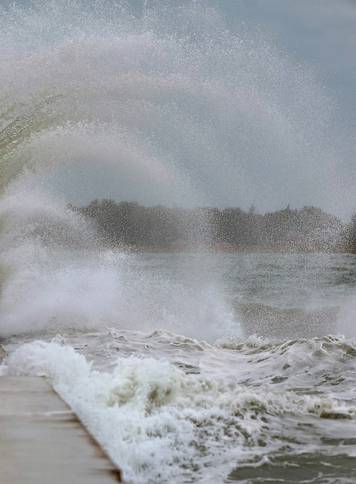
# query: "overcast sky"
{"type": "Point", "coordinates": [319, 32]}
{"type": "Point", "coordinates": [263, 146]}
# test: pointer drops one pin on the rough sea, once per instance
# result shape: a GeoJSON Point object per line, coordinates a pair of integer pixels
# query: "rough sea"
{"type": "Point", "coordinates": [196, 367]}
{"type": "Point", "coordinates": [190, 391]}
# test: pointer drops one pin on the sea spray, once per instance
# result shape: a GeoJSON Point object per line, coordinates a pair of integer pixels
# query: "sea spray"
{"type": "Point", "coordinates": [162, 104]}
{"type": "Point", "coordinates": [168, 105]}
{"type": "Point", "coordinates": [160, 423]}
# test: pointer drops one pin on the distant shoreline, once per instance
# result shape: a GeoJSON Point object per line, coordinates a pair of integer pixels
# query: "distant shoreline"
{"type": "Point", "coordinates": [231, 230]}
{"type": "Point", "coordinates": [230, 250]}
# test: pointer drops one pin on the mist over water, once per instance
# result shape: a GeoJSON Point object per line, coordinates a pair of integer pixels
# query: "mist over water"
{"type": "Point", "coordinates": [180, 364]}
{"type": "Point", "coordinates": [159, 104]}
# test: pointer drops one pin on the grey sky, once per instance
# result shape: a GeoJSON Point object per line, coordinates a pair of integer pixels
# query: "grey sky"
{"type": "Point", "coordinates": [285, 135]}
{"type": "Point", "coordinates": [321, 33]}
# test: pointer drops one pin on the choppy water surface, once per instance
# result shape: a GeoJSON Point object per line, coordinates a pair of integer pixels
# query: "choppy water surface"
{"type": "Point", "coordinates": [187, 368]}
{"type": "Point", "coordinates": [266, 395]}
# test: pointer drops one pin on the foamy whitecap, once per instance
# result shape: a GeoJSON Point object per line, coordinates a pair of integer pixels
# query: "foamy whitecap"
{"type": "Point", "coordinates": [170, 105]}
{"type": "Point", "coordinates": [159, 423]}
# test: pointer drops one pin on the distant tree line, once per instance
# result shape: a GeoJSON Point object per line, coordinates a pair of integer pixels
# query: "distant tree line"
{"type": "Point", "coordinates": [132, 225]}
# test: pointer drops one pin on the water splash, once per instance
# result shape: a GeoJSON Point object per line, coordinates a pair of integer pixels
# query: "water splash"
{"type": "Point", "coordinates": [160, 104]}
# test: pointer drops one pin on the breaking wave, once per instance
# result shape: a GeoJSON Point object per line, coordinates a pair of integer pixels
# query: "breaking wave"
{"type": "Point", "coordinates": [158, 104]}
{"type": "Point", "coordinates": [161, 420]}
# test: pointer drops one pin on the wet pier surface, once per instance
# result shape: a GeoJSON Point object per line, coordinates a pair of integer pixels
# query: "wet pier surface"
{"type": "Point", "coordinates": [42, 440]}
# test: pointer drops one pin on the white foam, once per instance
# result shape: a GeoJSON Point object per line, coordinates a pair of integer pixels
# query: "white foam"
{"type": "Point", "coordinates": [143, 107]}
{"type": "Point", "coordinates": [159, 423]}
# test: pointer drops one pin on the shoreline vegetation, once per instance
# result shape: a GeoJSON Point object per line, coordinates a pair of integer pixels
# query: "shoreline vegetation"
{"type": "Point", "coordinates": [133, 227]}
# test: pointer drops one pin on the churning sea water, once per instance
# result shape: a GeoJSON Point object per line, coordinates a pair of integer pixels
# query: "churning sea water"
{"type": "Point", "coordinates": [187, 390]}
{"type": "Point", "coordinates": [186, 367]}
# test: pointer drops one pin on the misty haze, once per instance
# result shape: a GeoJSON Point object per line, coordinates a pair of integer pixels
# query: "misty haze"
{"type": "Point", "coordinates": [178, 236]}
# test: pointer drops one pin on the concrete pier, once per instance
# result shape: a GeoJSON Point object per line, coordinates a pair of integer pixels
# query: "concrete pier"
{"type": "Point", "coordinates": [43, 441]}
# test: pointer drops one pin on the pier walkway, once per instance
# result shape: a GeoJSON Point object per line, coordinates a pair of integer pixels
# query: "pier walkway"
{"type": "Point", "coordinates": [43, 441]}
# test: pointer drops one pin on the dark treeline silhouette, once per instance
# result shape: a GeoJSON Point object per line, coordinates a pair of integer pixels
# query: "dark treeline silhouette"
{"type": "Point", "coordinates": [132, 225]}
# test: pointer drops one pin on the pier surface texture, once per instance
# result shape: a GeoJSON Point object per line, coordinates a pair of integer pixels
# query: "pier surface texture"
{"type": "Point", "coordinates": [43, 441]}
